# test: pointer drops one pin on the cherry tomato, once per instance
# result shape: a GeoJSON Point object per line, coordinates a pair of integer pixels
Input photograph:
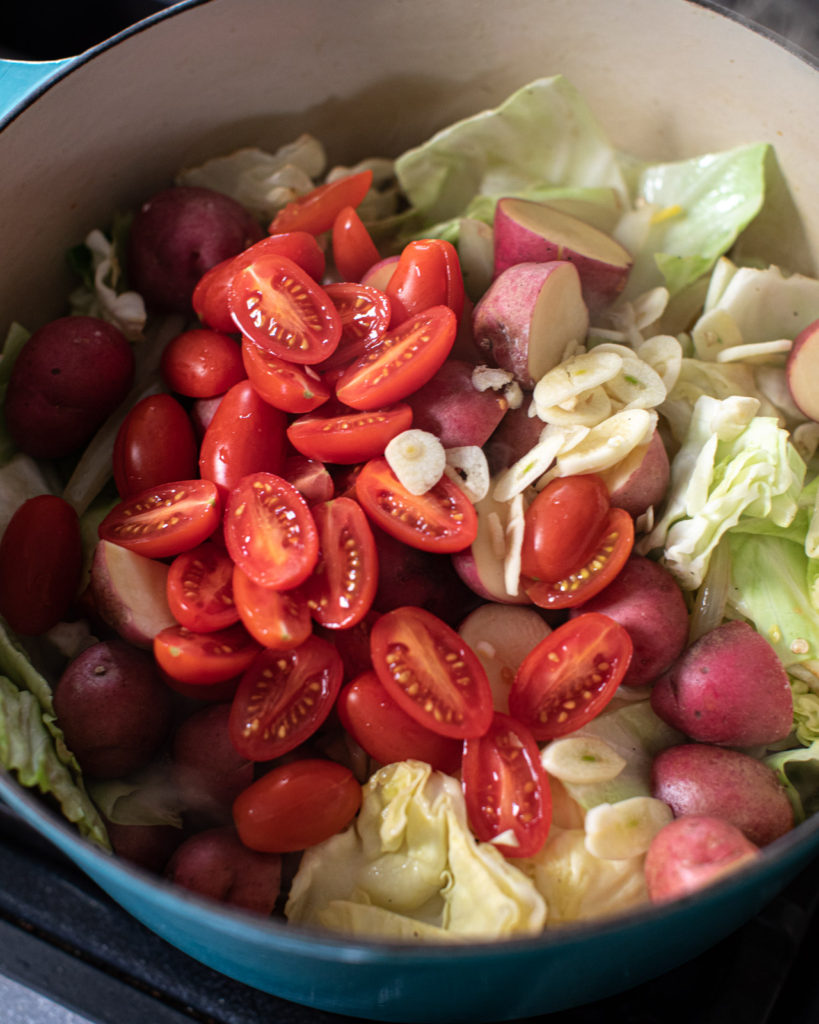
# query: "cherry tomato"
{"type": "Point", "coordinates": [201, 363]}
{"type": "Point", "coordinates": [270, 532]}
{"type": "Point", "coordinates": [279, 619]}
{"type": "Point", "coordinates": [406, 358]}
{"type": "Point", "coordinates": [201, 659]}
{"type": "Point", "coordinates": [210, 693]}
{"type": "Point", "coordinates": [387, 733]}
{"type": "Point", "coordinates": [365, 317]}
{"type": "Point", "coordinates": [341, 588]}
{"type": "Point", "coordinates": [601, 565]}
{"type": "Point", "coordinates": [210, 297]}
{"type": "Point", "coordinates": [166, 520]}
{"type": "Point", "coordinates": [200, 589]}
{"type": "Point", "coordinates": [570, 676]}
{"type": "Point", "coordinates": [245, 435]}
{"type": "Point", "coordinates": [40, 564]}
{"type": "Point", "coordinates": [354, 251]}
{"type": "Point", "coordinates": [310, 477]}
{"type": "Point", "coordinates": [283, 698]}
{"type": "Point", "coordinates": [428, 274]}
{"type": "Point", "coordinates": [156, 444]}
{"type": "Point", "coordinates": [296, 805]}
{"type": "Point", "coordinates": [563, 525]}
{"type": "Point", "coordinates": [431, 673]}
{"type": "Point", "coordinates": [288, 386]}
{"type": "Point", "coordinates": [315, 211]}
{"type": "Point", "coordinates": [442, 519]}
{"type": "Point", "coordinates": [348, 437]}
{"type": "Point", "coordinates": [506, 789]}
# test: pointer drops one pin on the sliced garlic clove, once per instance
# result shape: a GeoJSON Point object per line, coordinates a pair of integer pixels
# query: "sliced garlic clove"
{"type": "Point", "coordinates": [576, 375]}
{"type": "Point", "coordinates": [517, 477]}
{"type": "Point", "coordinates": [636, 386]}
{"type": "Point", "coordinates": [664, 355]}
{"type": "Point", "coordinates": [417, 458]}
{"type": "Point", "coordinates": [609, 442]}
{"type": "Point", "coordinates": [625, 829]}
{"type": "Point", "coordinates": [587, 410]}
{"type": "Point", "coordinates": [515, 525]}
{"type": "Point", "coordinates": [582, 760]}
{"type": "Point", "coordinates": [467, 467]}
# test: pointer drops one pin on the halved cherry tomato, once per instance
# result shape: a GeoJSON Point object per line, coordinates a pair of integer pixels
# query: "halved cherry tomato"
{"type": "Point", "coordinates": [387, 733]}
{"type": "Point", "coordinates": [443, 519]}
{"type": "Point", "coordinates": [245, 435]}
{"type": "Point", "coordinates": [341, 588]}
{"type": "Point", "coordinates": [283, 698]}
{"type": "Point", "coordinates": [156, 444]}
{"type": "Point", "coordinates": [288, 386]}
{"type": "Point", "coordinates": [354, 251]}
{"type": "Point", "coordinates": [431, 673]}
{"type": "Point", "coordinates": [210, 693]}
{"type": "Point", "coordinates": [280, 307]}
{"type": "Point", "coordinates": [563, 525]}
{"type": "Point", "coordinates": [210, 297]}
{"type": "Point", "coordinates": [270, 532]}
{"type": "Point", "coordinates": [279, 619]}
{"type": "Point", "coordinates": [428, 274]}
{"type": "Point", "coordinates": [406, 358]}
{"type": "Point", "coordinates": [316, 210]}
{"type": "Point", "coordinates": [350, 436]}
{"type": "Point", "coordinates": [200, 589]}
{"type": "Point", "coordinates": [201, 363]}
{"type": "Point", "coordinates": [365, 317]}
{"type": "Point", "coordinates": [40, 564]}
{"type": "Point", "coordinates": [601, 565]}
{"type": "Point", "coordinates": [166, 520]}
{"type": "Point", "coordinates": [310, 477]}
{"type": "Point", "coordinates": [296, 805]}
{"type": "Point", "coordinates": [201, 659]}
{"type": "Point", "coordinates": [506, 789]}
{"type": "Point", "coordinates": [570, 676]}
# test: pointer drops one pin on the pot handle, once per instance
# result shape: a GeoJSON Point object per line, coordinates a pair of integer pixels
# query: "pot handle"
{"type": "Point", "coordinates": [20, 79]}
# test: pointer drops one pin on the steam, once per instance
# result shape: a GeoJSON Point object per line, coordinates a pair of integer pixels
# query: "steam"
{"type": "Point", "coordinates": [795, 20]}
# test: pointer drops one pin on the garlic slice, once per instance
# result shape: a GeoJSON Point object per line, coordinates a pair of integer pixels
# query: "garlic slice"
{"type": "Point", "coordinates": [608, 443]}
{"type": "Point", "coordinates": [581, 760]}
{"type": "Point", "coordinates": [625, 829]}
{"type": "Point", "coordinates": [578, 374]}
{"type": "Point", "coordinates": [417, 458]}
{"type": "Point", "coordinates": [467, 467]}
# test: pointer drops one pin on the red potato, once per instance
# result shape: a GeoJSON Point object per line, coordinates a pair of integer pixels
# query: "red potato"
{"type": "Point", "coordinates": [68, 378]}
{"type": "Point", "coordinates": [177, 235]}
{"type": "Point", "coordinates": [640, 481]}
{"type": "Point", "coordinates": [451, 407]}
{"type": "Point", "coordinates": [692, 852]}
{"type": "Point", "coordinates": [129, 593]}
{"type": "Point", "coordinates": [516, 435]}
{"type": "Point", "coordinates": [215, 863]}
{"type": "Point", "coordinates": [728, 688]}
{"type": "Point", "coordinates": [802, 370]}
{"type": "Point", "coordinates": [149, 846]}
{"type": "Point", "coordinates": [528, 316]}
{"type": "Point", "coordinates": [697, 778]}
{"type": "Point", "coordinates": [646, 600]}
{"type": "Point", "coordinates": [113, 708]}
{"type": "Point", "coordinates": [531, 232]}
{"type": "Point", "coordinates": [379, 274]}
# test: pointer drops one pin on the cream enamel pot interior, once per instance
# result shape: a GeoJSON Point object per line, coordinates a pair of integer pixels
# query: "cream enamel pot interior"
{"type": "Point", "coordinates": [87, 136]}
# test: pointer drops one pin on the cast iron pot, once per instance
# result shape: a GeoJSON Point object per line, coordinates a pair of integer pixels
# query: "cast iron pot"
{"type": "Point", "coordinates": [90, 135]}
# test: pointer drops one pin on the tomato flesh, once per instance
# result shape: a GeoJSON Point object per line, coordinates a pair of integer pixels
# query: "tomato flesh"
{"type": "Point", "coordinates": [431, 673]}
{"type": "Point", "coordinates": [570, 676]}
{"type": "Point", "coordinates": [201, 659]}
{"type": "Point", "coordinates": [365, 317]}
{"type": "Point", "coordinates": [316, 211]}
{"type": "Point", "coordinates": [348, 437]}
{"type": "Point", "coordinates": [279, 619]}
{"type": "Point", "coordinates": [288, 386]}
{"type": "Point", "coordinates": [200, 589]}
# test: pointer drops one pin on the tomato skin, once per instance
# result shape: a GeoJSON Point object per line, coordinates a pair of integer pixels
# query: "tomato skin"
{"type": "Point", "coordinates": [407, 357]}
{"type": "Point", "coordinates": [602, 564]}
{"type": "Point", "coordinates": [270, 532]}
{"type": "Point", "coordinates": [365, 316]}
{"type": "Point", "coordinates": [354, 251]}
{"type": "Point", "coordinates": [341, 588]}
{"type": "Point", "coordinates": [506, 788]}
{"type": "Point", "coordinates": [562, 525]}
{"type": "Point", "coordinates": [348, 437]}
{"type": "Point", "coordinates": [431, 673]}
{"type": "Point", "coordinates": [202, 363]}
{"type": "Point", "coordinates": [164, 521]}
{"type": "Point", "coordinates": [287, 386]}
{"type": "Point", "coordinates": [296, 805]}
{"type": "Point", "coordinates": [245, 435]}
{"type": "Point", "coordinates": [315, 211]}
{"type": "Point", "coordinates": [41, 561]}
{"type": "Point", "coordinates": [570, 676]}
{"type": "Point", "coordinates": [279, 619]}
{"type": "Point", "coordinates": [387, 733]}
{"type": "Point", "coordinates": [283, 698]}
{"type": "Point", "coordinates": [156, 444]}
{"type": "Point", "coordinates": [442, 520]}
{"type": "Point", "coordinates": [428, 274]}
{"type": "Point", "coordinates": [201, 659]}
{"type": "Point", "coordinates": [200, 589]}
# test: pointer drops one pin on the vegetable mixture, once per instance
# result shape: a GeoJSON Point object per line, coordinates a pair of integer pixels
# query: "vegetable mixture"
{"type": "Point", "coordinates": [425, 549]}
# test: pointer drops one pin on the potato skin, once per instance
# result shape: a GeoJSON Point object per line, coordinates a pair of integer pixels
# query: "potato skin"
{"type": "Point", "coordinates": [698, 778]}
